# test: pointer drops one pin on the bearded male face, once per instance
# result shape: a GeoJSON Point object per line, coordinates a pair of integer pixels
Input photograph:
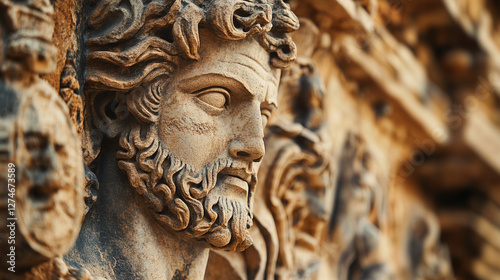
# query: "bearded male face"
{"type": "Point", "coordinates": [200, 80]}
{"type": "Point", "coordinates": [196, 165]}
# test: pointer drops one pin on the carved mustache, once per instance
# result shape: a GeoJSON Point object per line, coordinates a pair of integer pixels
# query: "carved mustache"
{"type": "Point", "coordinates": [242, 173]}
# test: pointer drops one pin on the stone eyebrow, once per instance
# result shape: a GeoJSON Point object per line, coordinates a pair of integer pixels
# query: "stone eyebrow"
{"type": "Point", "coordinates": [203, 81]}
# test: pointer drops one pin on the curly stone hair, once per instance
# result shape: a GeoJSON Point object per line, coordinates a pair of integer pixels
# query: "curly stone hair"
{"type": "Point", "coordinates": [131, 43]}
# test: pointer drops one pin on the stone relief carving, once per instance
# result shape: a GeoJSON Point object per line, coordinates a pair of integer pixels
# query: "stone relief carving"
{"type": "Point", "coordinates": [291, 212]}
{"type": "Point", "coordinates": [132, 137]}
{"type": "Point", "coordinates": [296, 183]}
{"type": "Point", "coordinates": [430, 259]}
{"type": "Point", "coordinates": [69, 91]}
{"type": "Point", "coordinates": [133, 67]}
{"type": "Point", "coordinates": [358, 213]}
{"type": "Point", "coordinates": [178, 94]}
{"type": "Point", "coordinates": [42, 206]}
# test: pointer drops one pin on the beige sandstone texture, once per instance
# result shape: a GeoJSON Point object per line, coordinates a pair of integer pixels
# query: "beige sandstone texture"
{"type": "Point", "coordinates": [250, 139]}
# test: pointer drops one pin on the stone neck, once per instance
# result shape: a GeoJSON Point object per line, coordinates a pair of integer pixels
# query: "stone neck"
{"type": "Point", "coordinates": [120, 240]}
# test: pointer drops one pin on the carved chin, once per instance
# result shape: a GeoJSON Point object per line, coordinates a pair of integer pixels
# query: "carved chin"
{"type": "Point", "coordinates": [233, 219]}
{"type": "Point", "coordinates": [224, 225]}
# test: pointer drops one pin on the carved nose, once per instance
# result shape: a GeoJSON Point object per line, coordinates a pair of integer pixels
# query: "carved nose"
{"type": "Point", "coordinates": [249, 150]}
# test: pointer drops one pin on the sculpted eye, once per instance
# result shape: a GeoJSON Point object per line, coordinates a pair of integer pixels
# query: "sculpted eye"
{"type": "Point", "coordinates": [266, 114]}
{"type": "Point", "coordinates": [214, 97]}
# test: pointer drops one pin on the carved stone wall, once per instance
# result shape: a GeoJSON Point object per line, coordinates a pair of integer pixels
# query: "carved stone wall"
{"type": "Point", "coordinates": [241, 139]}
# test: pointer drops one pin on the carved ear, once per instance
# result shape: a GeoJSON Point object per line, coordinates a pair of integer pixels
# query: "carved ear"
{"type": "Point", "coordinates": [109, 112]}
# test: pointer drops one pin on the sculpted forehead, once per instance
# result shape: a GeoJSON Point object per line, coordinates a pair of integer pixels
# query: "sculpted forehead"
{"type": "Point", "coordinates": [243, 61]}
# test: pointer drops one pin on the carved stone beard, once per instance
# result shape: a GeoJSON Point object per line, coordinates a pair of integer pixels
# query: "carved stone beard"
{"type": "Point", "coordinates": [192, 204]}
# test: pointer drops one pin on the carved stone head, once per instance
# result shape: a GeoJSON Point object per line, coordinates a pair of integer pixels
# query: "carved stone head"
{"type": "Point", "coordinates": [188, 86]}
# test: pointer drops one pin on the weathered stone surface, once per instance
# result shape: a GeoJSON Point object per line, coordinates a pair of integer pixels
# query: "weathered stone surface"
{"type": "Point", "coordinates": [41, 160]}
{"type": "Point", "coordinates": [177, 94]}
{"type": "Point", "coordinates": [226, 139]}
